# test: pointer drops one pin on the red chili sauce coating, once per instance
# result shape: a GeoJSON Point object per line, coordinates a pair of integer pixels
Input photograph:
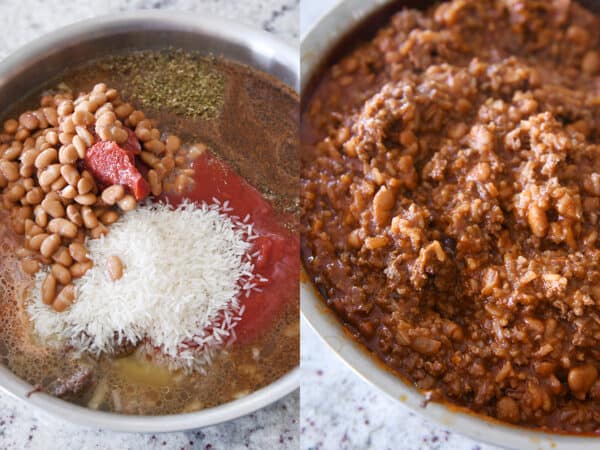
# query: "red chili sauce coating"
{"type": "Point", "coordinates": [278, 247]}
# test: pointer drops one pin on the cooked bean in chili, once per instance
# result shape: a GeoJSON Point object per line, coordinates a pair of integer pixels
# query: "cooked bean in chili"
{"type": "Point", "coordinates": [450, 195]}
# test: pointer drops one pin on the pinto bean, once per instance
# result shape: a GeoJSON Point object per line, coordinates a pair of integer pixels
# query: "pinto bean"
{"type": "Point", "coordinates": [59, 184]}
{"type": "Point", "coordinates": [48, 289]}
{"type": "Point", "coordinates": [172, 144]}
{"type": "Point", "coordinates": [31, 229]}
{"type": "Point", "coordinates": [112, 94]}
{"type": "Point", "coordinates": [35, 242]}
{"type": "Point", "coordinates": [113, 194]}
{"type": "Point", "coordinates": [106, 119]}
{"type": "Point", "coordinates": [90, 220]}
{"type": "Point", "coordinates": [15, 193]}
{"type": "Point", "coordinates": [182, 183]}
{"type": "Point", "coordinates": [376, 242]}
{"type": "Point", "coordinates": [63, 257]}
{"type": "Point", "coordinates": [78, 252]}
{"type": "Point", "coordinates": [109, 217]}
{"type": "Point", "coordinates": [155, 184]}
{"type": "Point", "coordinates": [26, 171]}
{"type": "Point", "coordinates": [40, 216]}
{"type": "Point", "coordinates": [134, 118]}
{"type": "Point", "coordinates": [45, 158]}
{"type": "Point", "coordinates": [99, 231]}
{"type": "Point", "coordinates": [29, 121]}
{"type": "Point", "coordinates": [86, 199]}
{"type": "Point", "coordinates": [590, 63]}
{"type": "Point", "coordinates": [538, 222]}
{"type": "Point", "coordinates": [10, 170]}
{"type": "Point", "coordinates": [22, 134]}
{"type": "Point", "coordinates": [97, 99]}
{"type": "Point", "coordinates": [155, 134]}
{"type": "Point", "coordinates": [123, 110]}
{"type": "Point", "coordinates": [114, 266]}
{"type": "Point", "coordinates": [28, 183]}
{"type": "Point", "coordinates": [168, 163]}
{"type": "Point", "coordinates": [426, 345]}
{"type": "Point", "coordinates": [85, 135]}
{"type": "Point", "coordinates": [23, 213]}
{"type": "Point", "coordinates": [581, 379]}
{"type": "Point", "coordinates": [28, 157]}
{"type": "Point", "coordinates": [196, 151]}
{"type": "Point", "coordinates": [383, 202]}
{"type": "Point", "coordinates": [85, 185]}
{"type": "Point", "coordinates": [142, 133]}
{"type": "Point", "coordinates": [13, 152]}
{"type": "Point", "coordinates": [61, 273]}
{"type": "Point", "coordinates": [11, 126]}
{"type": "Point", "coordinates": [66, 138]}
{"type": "Point", "coordinates": [79, 146]}
{"type": "Point", "coordinates": [70, 174]}
{"type": "Point", "coordinates": [63, 227]}
{"type": "Point", "coordinates": [54, 208]}
{"type": "Point", "coordinates": [50, 245]}
{"type": "Point", "coordinates": [79, 269]}
{"type": "Point", "coordinates": [99, 88]}
{"type": "Point", "coordinates": [68, 154]}
{"type": "Point", "coordinates": [50, 175]}
{"type": "Point", "coordinates": [68, 193]}
{"type": "Point", "coordinates": [30, 266]}
{"type": "Point", "coordinates": [507, 409]}
{"type": "Point", "coordinates": [82, 117]}
{"type": "Point", "coordinates": [74, 215]}
{"type": "Point", "coordinates": [65, 108]}
{"type": "Point", "coordinates": [64, 299]}
{"type": "Point", "coordinates": [149, 158]}
{"type": "Point", "coordinates": [35, 196]}
{"type": "Point", "coordinates": [18, 225]}
{"type": "Point", "coordinates": [22, 252]}
{"type": "Point", "coordinates": [51, 115]}
{"type": "Point", "coordinates": [127, 203]}
{"type": "Point", "coordinates": [155, 146]}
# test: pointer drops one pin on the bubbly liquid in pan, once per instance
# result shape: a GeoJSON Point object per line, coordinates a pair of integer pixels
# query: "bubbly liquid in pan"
{"type": "Point", "coordinates": [255, 134]}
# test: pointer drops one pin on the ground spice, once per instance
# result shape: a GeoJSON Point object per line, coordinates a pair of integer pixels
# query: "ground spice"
{"type": "Point", "coordinates": [182, 82]}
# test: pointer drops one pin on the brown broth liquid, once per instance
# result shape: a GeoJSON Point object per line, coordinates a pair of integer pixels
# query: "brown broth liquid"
{"type": "Point", "coordinates": [256, 133]}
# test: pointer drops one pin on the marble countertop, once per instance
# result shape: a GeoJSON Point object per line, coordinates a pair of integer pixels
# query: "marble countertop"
{"type": "Point", "coordinates": [24, 20]}
{"type": "Point", "coordinates": [338, 409]}
{"type": "Point", "coordinates": [21, 427]}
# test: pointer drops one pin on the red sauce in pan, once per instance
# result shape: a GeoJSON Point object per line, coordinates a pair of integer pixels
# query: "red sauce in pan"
{"type": "Point", "coordinates": [277, 247]}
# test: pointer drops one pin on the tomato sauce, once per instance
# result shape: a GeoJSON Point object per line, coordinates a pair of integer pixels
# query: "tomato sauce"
{"type": "Point", "coordinates": [277, 248]}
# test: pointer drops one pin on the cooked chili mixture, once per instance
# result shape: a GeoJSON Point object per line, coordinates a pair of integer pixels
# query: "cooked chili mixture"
{"type": "Point", "coordinates": [450, 195]}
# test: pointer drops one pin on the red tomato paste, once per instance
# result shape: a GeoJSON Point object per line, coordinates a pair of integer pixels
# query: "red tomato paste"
{"type": "Point", "coordinates": [110, 164]}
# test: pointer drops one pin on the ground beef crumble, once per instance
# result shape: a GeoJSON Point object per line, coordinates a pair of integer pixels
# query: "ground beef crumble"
{"type": "Point", "coordinates": [450, 195]}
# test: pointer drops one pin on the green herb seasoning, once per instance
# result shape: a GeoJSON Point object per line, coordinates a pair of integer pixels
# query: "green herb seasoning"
{"type": "Point", "coordinates": [182, 82]}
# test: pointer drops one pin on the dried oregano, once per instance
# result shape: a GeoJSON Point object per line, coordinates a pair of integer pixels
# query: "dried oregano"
{"type": "Point", "coordinates": [182, 82]}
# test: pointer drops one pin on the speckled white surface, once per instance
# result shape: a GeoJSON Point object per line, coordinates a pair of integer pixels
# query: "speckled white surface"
{"type": "Point", "coordinates": [338, 410]}
{"type": "Point", "coordinates": [21, 427]}
{"type": "Point", "coordinates": [23, 20]}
